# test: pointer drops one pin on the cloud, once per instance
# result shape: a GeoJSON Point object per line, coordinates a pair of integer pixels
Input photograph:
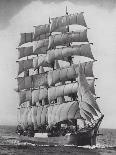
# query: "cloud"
{"type": "Point", "coordinates": [108, 4]}
{"type": "Point", "coordinates": [9, 8]}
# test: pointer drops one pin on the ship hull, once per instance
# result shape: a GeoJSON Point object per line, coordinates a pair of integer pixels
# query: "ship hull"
{"type": "Point", "coordinates": [86, 136]}
{"type": "Point", "coordinates": [80, 139]}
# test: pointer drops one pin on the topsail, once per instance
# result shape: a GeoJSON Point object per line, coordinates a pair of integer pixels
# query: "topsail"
{"type": "Point", "coordinates": [25, 38]}
{"type": "Point", "coordinates": [66, 20]}
{"type": "Point", "coordinates": [65, 39]}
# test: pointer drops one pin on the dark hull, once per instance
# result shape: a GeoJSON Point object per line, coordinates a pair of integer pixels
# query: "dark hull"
{"type": "Point", "coordinates": [83, 137]}
{"type": "Point", "coordinates": [80, 139]}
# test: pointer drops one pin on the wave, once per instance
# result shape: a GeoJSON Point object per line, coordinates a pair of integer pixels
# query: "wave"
{"type": "Point", "coordinates": [16, 142]}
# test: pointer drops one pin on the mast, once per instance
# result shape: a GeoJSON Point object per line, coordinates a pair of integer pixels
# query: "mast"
{"type": "Point", "coordinates": [73, 96]}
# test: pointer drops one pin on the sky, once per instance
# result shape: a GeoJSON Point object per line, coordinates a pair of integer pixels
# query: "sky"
{"type": "Point", "coordinates": [18, 16]}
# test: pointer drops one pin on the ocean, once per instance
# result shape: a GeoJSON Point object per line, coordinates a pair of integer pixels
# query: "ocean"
{"type": "Point", "coordinates": [10, 145]}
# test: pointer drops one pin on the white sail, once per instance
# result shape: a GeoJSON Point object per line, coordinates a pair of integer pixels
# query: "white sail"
{"type": "Point", "coordinates": [41, 70]}
{"type": "Point", "coordinates": [61, 112]}
{"type": "Point", "coordinates": [25, 51]}
{"type": "Point", "coordinates": [25, 38]}
{"type": "Point", "coordinates": [65, 90]}
{"type": "Point", "coordinates": [24, 117]}
{"type": "Point", "coordinates": [24, 65]}
{"type": "Point", "coordinates": [61, 53]}
{"type": "Point", "coordinates": [24, 96]}
{"type": "Point", "coordinates": [41, 30]}
{"type": "Point", "coordinates": [88, 107]}
{"type": "Point", "coordinates": [41, 46]}
{"type": "Point", "coordinates": [40, 80]}
{"type": "Point", "coordinates": [21, 116]}
{"type": "Point", "coordinates": [85, 116]}
{"type": "Point", "coordinates": [33, 81]}
{"type": "Point", "coordinates": [66, 38]}
{"type": "Point", "coordinates": [24, 82]}
{"type": "Point", "coordinates": [56, 64]}
{"type": "Point", "coordinates": [34, 116]}
{"type": "Point", "coordinates": [41, 115]}
{"type": "Point", "coordinates": [39, 94]}
{"type": "Point", "coordinates": [57, 22]}
{"type": "Point", "coordinates": [84, 94]}
{"type": "Point", "coordinates": [29, 118]}
{"type": "Point", "coordinates": [40, 61]}
{"type": "Point", "coordinates": [68, 73]}
{"type": "Point", "coordinates": [91, 83]}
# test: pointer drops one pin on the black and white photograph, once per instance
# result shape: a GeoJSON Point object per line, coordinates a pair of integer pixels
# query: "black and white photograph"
{"type": "Point", "coordinates": [57, 77]}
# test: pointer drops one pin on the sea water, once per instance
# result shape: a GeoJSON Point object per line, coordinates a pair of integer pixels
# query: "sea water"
{"type": "Point", "coordinates": [10, 145]}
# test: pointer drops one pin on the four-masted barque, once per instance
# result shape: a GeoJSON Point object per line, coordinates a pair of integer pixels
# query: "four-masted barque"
{"type": "Point", "coordinates": [57, 100]}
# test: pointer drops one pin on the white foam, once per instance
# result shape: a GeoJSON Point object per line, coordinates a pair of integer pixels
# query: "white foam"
{"type": "Point", "coordinates": [41, 135]}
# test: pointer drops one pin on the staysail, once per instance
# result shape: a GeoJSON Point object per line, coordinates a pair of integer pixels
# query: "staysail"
{"type": "Point", "coordinates": [85, 96]}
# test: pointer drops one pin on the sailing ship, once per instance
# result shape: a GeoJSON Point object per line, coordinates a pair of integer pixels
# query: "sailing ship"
{"type": "Point", "coordinates": [56, 91]}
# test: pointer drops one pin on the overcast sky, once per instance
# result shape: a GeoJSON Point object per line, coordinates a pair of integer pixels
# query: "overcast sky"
{"type": "Point", "coordinates": [18, 16]}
